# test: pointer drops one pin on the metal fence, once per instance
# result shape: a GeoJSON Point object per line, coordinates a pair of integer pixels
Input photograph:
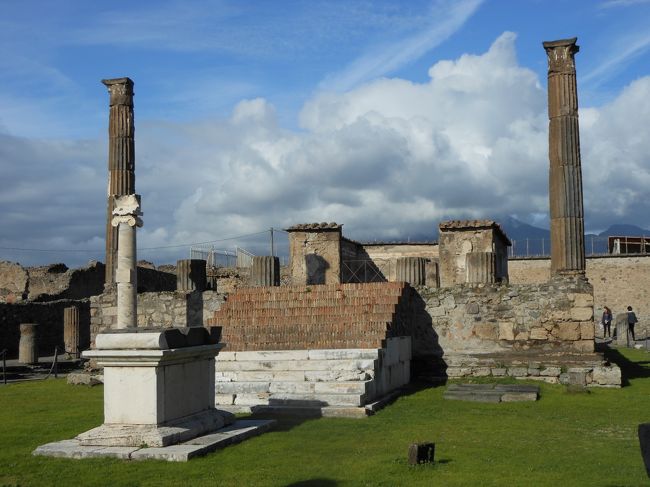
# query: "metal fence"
{"type": "Point", "coordinates": [221, 258]}
{"type": "Point", "coordinates": [378, 270]}
{"type": "Point", "coordinates": [541, 247]}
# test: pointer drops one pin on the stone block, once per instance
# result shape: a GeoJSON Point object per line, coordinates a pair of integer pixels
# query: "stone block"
{"type": "Point", "coordinates": [538, 333]}
{"type": "Point", "coordinates": [587, 330]}
{"type": "Point", "coordinates": [506, 331]}
{"type": "Point", "coordinates": [453, 372]}
{"type": "Point", "coordinates": [533, 372]}
{"type": "Point", "coordinates": [567, 331]}
{"type": "Point", "coordinates": [583, 346]}
{"type": "Point", "coordinates": [581, 300]}
{"type": "Point", "coordinates": [486, 331]}
{"type": "Point", "coordinates": [354, 387]}
{"type": "Point", "coordinates": [225, 399]}
{"type": "Point", "coordinates": [607, 375]}
{"type": "Point", "coordinates": [481, 372]}
{"type": "Point", "coordinates": [251, 399]}
{"type": "Point", "coordinates": [241, 387]}
{"type": "Point", "coordinates": [344, 354]}
{"type": "Point", "coordinates": [421, 453]}
{"type": "Point", "coordinates": [518, 371]}
{"type": "Point", "coordinates": [582, 313]}
{"type": "Point", "coordinates": [273, 355]}
{"type": "Point", "coordinates": [499, 372]}
{"type": "Point", "coordinates": [292, 387]}
{"type": "Point", "coordinates": [550, 372]}
{"type": "Point", "coordinates": [518, 396]}
{"type": "Point", "coordinates": [522, 336]}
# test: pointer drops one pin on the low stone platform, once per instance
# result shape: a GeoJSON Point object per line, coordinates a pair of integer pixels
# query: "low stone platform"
{"type": "Point", "coordinates": [492, 392]}
{"type": "Point", "coordinates": [181, 452]}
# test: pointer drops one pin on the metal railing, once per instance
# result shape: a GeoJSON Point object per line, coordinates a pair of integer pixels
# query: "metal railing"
{"type": "Point", "coordinates": [594, 246]}
{"type": "Point", "coordinates": [355, 271]}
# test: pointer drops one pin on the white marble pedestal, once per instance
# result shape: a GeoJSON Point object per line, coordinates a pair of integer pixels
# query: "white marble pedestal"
{"type": "Point", "coordinates": [158, 388]}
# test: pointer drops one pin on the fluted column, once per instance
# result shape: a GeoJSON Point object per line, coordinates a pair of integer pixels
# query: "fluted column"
{"type": "Point", "coordinates": [121, 160]}
{"type": "Point", "coordinates": [481, 267]}
{"type": "Point", "coordinates": [265, 271]}
{"type": "Point", "coordinates": [71, 339]}
{"type": "Point", "coordinates": [191, 275]}
{"type": "Point", "coordinates": [126, 217]}
{"type": "Point", "coordinates": [411, 270]}
{"type": "Point", "coordinates": [565, 175]}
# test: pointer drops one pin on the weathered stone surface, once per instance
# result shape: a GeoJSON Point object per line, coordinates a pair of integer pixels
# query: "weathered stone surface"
{"type": "Point", "coordinates": [582, 314]}
{"type": "Point", "coordinates": [607, 376]}
{"type": "Point", "coordinates": [13, 282]}
{"type": "Point", "coordinates": [28, 346]}
{"type": "Point", "coordinates": [587, 331]}
{"type": "Point", "coordinates": [538, 334]}
{"type": "Point", "coordinates": [506, 331]}
{"type": "Point", "coordinates": [71, 331]}
{"type": "Point", "coordinates": [191, 275]}
{"type": "Point", "coordinates": [565, 176]}
{"type": "Point", "coordinates": [567, 331]}
{"type": "Point", "coordinates": [411, 270]}
{"type": "Point", "coordinates": [84, 379]}
{"type": "Point", "coordinates": [265, 271]}
{"type": "Point", "coordinates": [481, 267]}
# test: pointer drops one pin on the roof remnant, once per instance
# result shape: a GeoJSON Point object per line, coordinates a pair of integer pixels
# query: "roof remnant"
{"type": "Point", "coordinates": [474, 224]}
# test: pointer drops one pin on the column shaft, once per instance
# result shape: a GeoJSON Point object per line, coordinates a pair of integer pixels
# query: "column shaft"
{"type": "Point", "coordinates": [121, 159]}
{"type": "Point", "coordinates": [127, 286]}
{"type": "Point", "coordinates": [565, 172]}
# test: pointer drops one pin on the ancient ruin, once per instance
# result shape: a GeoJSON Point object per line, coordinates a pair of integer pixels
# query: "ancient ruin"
{"type": "Point", "coordinates": [565, 175]}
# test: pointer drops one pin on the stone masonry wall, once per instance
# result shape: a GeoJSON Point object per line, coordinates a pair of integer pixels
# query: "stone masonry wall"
{"type": "Point", "coordinates": [618, 281]}
{"type": "Point", "coordinates": [157, 309]}
{"type": "Point", "coordinates": [550, 317]}
{"type": "Point", "coordinates": [454, 246]}
{"type": "Point", "coordinates": [315, 256]}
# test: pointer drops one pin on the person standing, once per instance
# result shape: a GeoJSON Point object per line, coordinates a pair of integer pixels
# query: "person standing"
{"type": "Point", "coordinates": [607, 322]}
{"type": "Point", "coordinates": [631, 320]}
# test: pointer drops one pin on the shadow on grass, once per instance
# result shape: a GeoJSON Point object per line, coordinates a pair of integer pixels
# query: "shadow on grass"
{"type": "Point", "coordinates": [314, 483]}
{"type": "Point", "coordinates": [629, 369]}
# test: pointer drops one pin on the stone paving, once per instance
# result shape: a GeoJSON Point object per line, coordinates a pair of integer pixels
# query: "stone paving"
{"type": "Point", "coordinates": [492, 392]}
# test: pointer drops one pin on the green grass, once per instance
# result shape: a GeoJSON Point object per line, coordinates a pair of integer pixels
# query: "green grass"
{"type": "Point", "coordinates": [561, 440]}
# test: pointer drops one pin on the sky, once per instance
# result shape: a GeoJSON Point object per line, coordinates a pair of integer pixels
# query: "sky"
{"type": "Point", "coordinates": [385, 116]}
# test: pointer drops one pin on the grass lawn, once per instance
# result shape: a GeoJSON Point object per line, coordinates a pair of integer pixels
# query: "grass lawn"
{"type": "Point", "coordinates": [561, 440]}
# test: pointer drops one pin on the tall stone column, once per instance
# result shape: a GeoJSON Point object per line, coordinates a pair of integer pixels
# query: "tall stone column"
{"type": "Point", "coordinates": [565, 175]}
{"type": "Point", "coordinates": [28, 344]}
{"type": "Point", "coordinates": [121, 160]}
{"type": "Point", "coordinates": [126, 217]}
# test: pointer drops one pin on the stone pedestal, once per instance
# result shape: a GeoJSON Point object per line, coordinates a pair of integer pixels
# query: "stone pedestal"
{"type": "Point", "coordinates": [265, 271]}
{"type": "Point", "coordinates": [159, 387]}
{"type": "Point", "coordinates": [481, 267]}
{"type": "Point", "coordinates": [191, 275]}
{"type": "Point", "coordinates": [622, 337]}
{"type": "Point", "coordinates": [28, 345]}
{"type": "Point", "coordinates": [411, 270]}
{"type": "Point", "coordinates": [71, 337]}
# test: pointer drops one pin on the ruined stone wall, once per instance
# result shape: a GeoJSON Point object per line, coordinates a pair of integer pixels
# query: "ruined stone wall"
{"type": "Point", "coordinates": [49, 315]}
{"type": "Point", "coordinates": [454, 246]}
{"type": "Point", "coordinates": [157, 309]}
{"type": "Point", "coordinates": [549, 317]}
{"type": "Point", "coordinates": [315, 257]}
{"type": "Point", "coordinates": [618, 281]}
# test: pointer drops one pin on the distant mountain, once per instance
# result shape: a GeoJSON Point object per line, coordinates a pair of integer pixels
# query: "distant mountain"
{"type": "Point", "coordinates": [518, 230]}
{"type": "Point", "coordinates": [624, 230]}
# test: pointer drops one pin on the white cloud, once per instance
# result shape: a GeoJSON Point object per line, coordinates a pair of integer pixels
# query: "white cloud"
{"type": "Point", "coordinates": [388, 159]}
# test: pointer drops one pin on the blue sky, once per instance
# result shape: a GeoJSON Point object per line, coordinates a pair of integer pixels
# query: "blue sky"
{"type": "Point", "coordinates": [384, 116]}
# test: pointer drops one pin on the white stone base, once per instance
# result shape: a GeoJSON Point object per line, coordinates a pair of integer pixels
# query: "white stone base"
{"type": "Point", "coordinates": [137, 435]}
{"type": "Point", "coordinates": [237, 432]}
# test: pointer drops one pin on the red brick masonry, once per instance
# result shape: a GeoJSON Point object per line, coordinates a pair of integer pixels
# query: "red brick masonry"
{"type": "Point", "coordinates": [311, 317]}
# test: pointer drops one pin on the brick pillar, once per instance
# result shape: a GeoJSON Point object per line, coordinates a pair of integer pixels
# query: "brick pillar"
{"type": "Point", "coordinates": [71, 337]}
{"type": "Point", "coordinates": [121, 160]}
{"type": "Point", "coordinates": [265, 271]}
{"type": "Point", "coordinates": [191, 275]}
{"type": "Point", "coordinates": [565, 175]}
{"type": "Point", "coordinates": [28, 345]}
{"type": "Point", "coordinates": [411, 270]}
{"type": "Point", "coordinates": [481, 267]}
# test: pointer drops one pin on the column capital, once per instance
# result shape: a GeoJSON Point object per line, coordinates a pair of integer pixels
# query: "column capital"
{"type": "Point", "coordinates": [121, 90]}
{"type": "Point", "coordinates": [127, 210]}
{"type": "Point", "coordinates": [561, 55]}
